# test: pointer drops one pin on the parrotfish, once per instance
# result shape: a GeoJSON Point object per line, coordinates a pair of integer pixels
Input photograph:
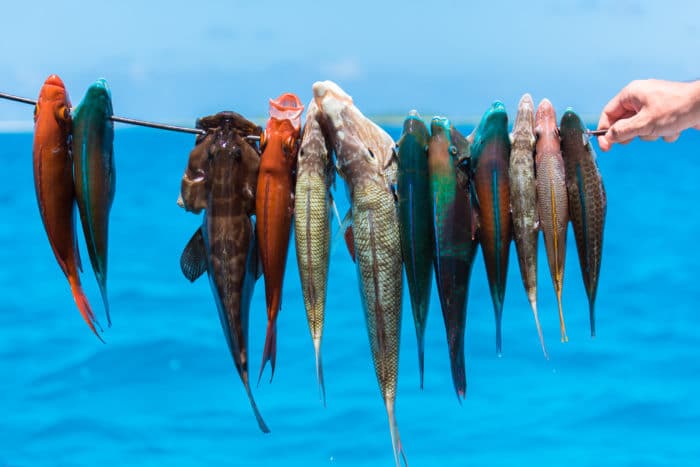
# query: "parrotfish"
{"type": "Point", "coordinates": [552, 203]}
{"type": "Point", "coordinates": [53, 182]}
{"type": "Point", "coordinates": [490, 153]}
{"type": "Point", "coordinates": [366, 159]}
{"type": "Point", "coordinates": [455, 240]}
{"type": "Point", "coordinates": [312, 226]}
{"type": "Point", "coordinates": [413, 186]}
{"type": "Point", "coordinates": [223, 170]}
{"type": "Point", "coordinates": [523, 201]}
{"type": "Point", "coordinates": [274, 206]}
{"type": "Point", "coordinates": [93, 170]}
{"type": "Point", "coordinates": [587, 202]}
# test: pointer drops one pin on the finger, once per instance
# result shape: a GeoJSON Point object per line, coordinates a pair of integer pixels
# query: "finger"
{"type": "Point", "coordinates": [672, 138]}
{"type": "Point", "coordinates": [648, 138]}
{"type": "Point", "coordinates": [626, 141]}
{"type": "Point", "coordinates": [603, 143]}
{"type": "Point", "coordinates": [628, 128]}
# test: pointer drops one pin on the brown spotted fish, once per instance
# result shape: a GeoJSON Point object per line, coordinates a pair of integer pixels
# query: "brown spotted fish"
{"type": "Point", "coordinates": [312, 226]}
{"type": "Point", "coordinates": [523, 200]}
{"type": "Point", "coordinates": [587, 202]}
{"type": "Point", "coordinates": [552, 202]}
{"type": "Point", "coordinates": [221, 178]}
{"type": "Point", "coordinates": [367, 162]}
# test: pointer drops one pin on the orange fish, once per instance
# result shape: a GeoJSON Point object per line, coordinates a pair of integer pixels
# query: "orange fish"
{"type": "Point", "coordinates": [274, 205]}
{"type": "Point", "coordinates": [53, 181]}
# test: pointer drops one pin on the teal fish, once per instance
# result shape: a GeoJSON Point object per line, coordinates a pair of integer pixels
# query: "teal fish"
{"type": "Point", "coordinates": [587, 202]}
{"type": "Point", "coordinates": [490, 153]}
{"type": "Point", "coordinates": [455, 243]}
{"type": "Point", "coordinates": [413, 186]}
{"type": "Point", "coordinates": [94, 175]}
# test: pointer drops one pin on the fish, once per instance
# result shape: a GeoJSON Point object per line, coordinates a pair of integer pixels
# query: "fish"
{"type": "Point", "coordinates": [413, 187]}
{"type": "Point", "coordinates": [455, 241]}
{"type": "Point", "coordinates": [523, 201]}
{"type": "Point", "coordinates": [552, 202]}
{"type": "Point", "coordinates": [274, 206]}
{"type": "Point", "coordinates": [312, 226]}
{"type": "Point", "coordinates": [490, 153]}
{"type": "Point", "coordinates": [224, 246]}
{"type": "Point", "coordinates": [366, 159]}
{"type": "Point", "coordinates": [94, 174]}
{"type": "Point", "coordinates": [53, 183]}
{"type": "Point", "coordinates": [587, 202]}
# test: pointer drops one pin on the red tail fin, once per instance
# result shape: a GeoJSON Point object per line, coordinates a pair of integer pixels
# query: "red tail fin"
{"type": "Point", "coordinates": [84, 306]}
{"type": "Point", "coordinates": [270, 350]}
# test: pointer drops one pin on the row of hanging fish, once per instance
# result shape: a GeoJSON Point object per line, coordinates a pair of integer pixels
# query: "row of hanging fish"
{"type": "Point", "coordinates": [425, 204]}
{"type": "Point", "coordinates": [73, 164]}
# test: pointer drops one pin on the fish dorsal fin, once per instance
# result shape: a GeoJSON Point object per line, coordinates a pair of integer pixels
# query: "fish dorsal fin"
{"type": "Point", "coordinates": [350, 242]}
{"type": "Point", "coordinates": [193, 261]}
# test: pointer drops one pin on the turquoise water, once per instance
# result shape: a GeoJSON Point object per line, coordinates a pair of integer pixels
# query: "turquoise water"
{"type": "Point", "coordinates": [164, 391]}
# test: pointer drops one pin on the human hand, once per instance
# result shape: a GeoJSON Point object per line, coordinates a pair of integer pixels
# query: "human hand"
{"type": "Point", "coordinates": [650, 109]}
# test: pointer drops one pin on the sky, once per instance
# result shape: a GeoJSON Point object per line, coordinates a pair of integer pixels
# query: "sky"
{"type": "Point", "coordinates": [173, 61]}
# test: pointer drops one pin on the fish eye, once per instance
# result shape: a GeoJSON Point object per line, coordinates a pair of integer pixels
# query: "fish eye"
{"type": "Point", "coordinates": [371, 154]}
{"type": "Point", "coordinates": [453, 150]}
{"type": "Point", "coordinates": [263, 140]}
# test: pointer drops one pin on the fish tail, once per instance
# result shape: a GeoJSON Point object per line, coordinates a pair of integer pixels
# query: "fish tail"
{"type": "Point", "coordinates": [591, 314]}
{"type": "Point", "coordinates": [532, 296]}
{"type": "Point", "coordinates": [256, 412]}
{"type": "Point", "coordinates": [319, 369]}
{"type": "Point", "coordinates": [103, 292]}
{"type": "Point", "coordinates": [421, 353]}
{"type": "Point", "coordinates": [459, 378]}
{"type": "Point", "coordinates": [499, 336]}
{"type": "Point", "coordinates": [395, 438]}
{"type": "Point", "coordinates": [564, 337]}
{"type": "Point", "coordinates": [270, 350]}
{"type": "Point", "coordinates": [84, 306]}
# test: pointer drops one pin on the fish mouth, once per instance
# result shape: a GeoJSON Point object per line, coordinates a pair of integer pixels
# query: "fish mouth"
{"type": "Point", "coordinates": [570, 119]}
{"type": "Point", "coordinates": [54, 80]}
{"type": "Point", "coordinates": [439, 125]}
{"type": "Point", "coordinates": [413, 122]}
{"type": "Point", "coordinates": [287, 107]}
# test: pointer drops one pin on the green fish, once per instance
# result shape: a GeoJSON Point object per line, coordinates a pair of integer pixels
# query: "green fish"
{"type": "Point", "coordinates": [490, 153]}
{"type": "Point", "coordinates": [94, 175]}
{"type": "Point", "coordinates": [455, 241]}
{"type": "Point", "coordinates": [587, 202]}
{"type": "Point", "coordinates": [413, 186]}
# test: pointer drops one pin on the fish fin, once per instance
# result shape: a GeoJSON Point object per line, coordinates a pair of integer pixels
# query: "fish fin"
{"type": "Point", "coordinates": [319, 369]}
{"type": "Point", "coordinates": [84, 306]}
{"type": "Point", "coordinates": [532, 297]}
{"type": "Point", "coordinates": [78, 261]}
{"type": "Point", "coordinates": [103, 291]}
{"type": "Point", "coordinates": [193, 261]}
{"type": "Point", "coordinates": [254, 406]}
{"type": "Point", "coordinates": [591, 314]}
{"type": "Point", "coordinates": [270, 350]}
{"type": "Point", "coordinates": [337, 213]}
{"type": "Point", "coordinates": [399, 453]}
{"type": "Point", "coordinates": [350, 242]}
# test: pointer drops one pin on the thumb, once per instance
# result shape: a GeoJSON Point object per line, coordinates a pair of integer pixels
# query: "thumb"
{"type": "Point", "coordinates": [627, 128]}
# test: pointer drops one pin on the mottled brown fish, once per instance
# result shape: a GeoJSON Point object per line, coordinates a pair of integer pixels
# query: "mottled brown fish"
{"type": "Point", "coordinates": [552, 202]}
{"type": "Point", "coordinates": [366, 160]}
{"type": "Point", "coordinates": [312, 226]}
{"type": "Point", "coordinates": [221, 178]}
{"type": "Point", "coordinates": [587, 202]}
{"type": "Point", "coordinates": [523, 201]}
{"type": "Point", "coordinates": [53, 182]}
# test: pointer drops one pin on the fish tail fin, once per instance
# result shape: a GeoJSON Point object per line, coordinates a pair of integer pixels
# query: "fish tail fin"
{"type": "Point", "coordinates": [256, 412]}
{"type": "Point", "coordinates": [421, 353]}
{"type": "Point", "coordinates": [270, 350]}
{"type": "Point", "coordinates": [532, 296]}
{"type": "Point", "coordinates": [103, 292]}
{"type": "Point", "coordinates": [562, 325]}
{"type": "Point", "coordinates": [591, 314]}
{"type": "Point", "coordinates": [84, 306]}
{"type": "Point", "coordinates": [459, 378]}
{"type": "Point", "coordinates": [319, 369]}
{"type": "Point", "coordinates": [399, 453]}
{"type": "Point", "coordinates": [499, 334]}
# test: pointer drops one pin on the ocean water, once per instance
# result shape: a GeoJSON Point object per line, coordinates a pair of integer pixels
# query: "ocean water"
{"type": "Point", "coordinates": [163, 390]}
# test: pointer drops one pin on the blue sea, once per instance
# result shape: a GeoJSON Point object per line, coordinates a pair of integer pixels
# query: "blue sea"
{"type": "Point", "coordinates": [163, 390]}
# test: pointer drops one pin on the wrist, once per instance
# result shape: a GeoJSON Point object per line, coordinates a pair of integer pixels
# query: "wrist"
{"type": "Point", "coordinates": [694, 96]}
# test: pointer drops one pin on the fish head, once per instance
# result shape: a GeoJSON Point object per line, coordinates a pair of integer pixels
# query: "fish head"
{"type": "Point", "coordinates": [493, 126]}
{"type": "Point", "coordinates": [545, 118]}
{"type": "Point", "coordinates": [415, 131]}
{"type": "Point", "coordinates": [572, 126]}
{"type": "Point", "coordinates": [54, 103]}
{"type": "Point", "coordinates": [524, 124]}
{"type": "Point", "coordinates": [284, 126]}
{"type": "Point", "coordinates": [314, 150]}
{"type": "Point", "coordinates": [364, 152]}
{"type": "Point", "coordinates": [194, 189]}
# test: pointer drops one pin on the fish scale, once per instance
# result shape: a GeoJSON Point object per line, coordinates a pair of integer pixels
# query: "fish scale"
{"type": "Point", "coordinates": [552, 200]}
{"type": "Point", "coordinates": [312, 226]}
{"type": "Point", "coordinates": [587, 202]}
